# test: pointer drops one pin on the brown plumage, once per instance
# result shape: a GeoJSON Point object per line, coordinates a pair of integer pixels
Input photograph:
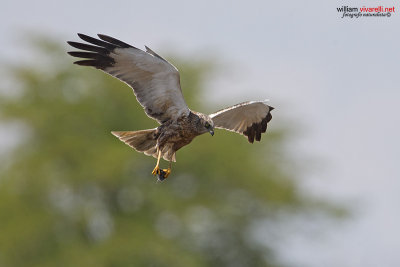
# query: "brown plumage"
{"type": "Point", "coordinates": [169, 137]}
{"type": "Point", "coordinates": [156, 85]}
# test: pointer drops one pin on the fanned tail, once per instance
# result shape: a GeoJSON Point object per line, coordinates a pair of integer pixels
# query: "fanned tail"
{"type": "Point", "coordinates": [142, 141]}
{"type": "Point", "coordinates": [145, 141]}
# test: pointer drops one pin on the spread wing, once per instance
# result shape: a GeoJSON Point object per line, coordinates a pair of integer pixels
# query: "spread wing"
{"type": "Point", "coordinates": [154, 80]}
{"type": "Point", "coordinates": [248, 118]}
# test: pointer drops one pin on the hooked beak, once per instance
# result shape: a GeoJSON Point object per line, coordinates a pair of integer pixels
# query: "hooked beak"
{"type": "Point", "coordinates": [211, 132]}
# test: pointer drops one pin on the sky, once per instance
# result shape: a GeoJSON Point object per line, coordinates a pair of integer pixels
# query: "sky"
{"type": "Point", "coordinates": [334, 80]}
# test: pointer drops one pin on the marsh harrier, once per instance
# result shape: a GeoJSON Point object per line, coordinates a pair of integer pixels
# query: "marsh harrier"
{"type": "Point", "coordinates": [156, 85]}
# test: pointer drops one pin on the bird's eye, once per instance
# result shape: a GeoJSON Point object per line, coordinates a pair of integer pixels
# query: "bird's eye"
{"type": "Point", "coordinates": [207, 125]}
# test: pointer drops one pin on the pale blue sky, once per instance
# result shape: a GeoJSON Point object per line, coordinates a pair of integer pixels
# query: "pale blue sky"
{"type": "Point", "coordinates": [337, 79]}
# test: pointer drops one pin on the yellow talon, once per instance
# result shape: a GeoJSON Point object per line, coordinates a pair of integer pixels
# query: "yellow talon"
{"type": "Point", "coordinates": [156, 170]}
{"type": "Point", "coordinates": [161, 173]}
{"type": "Point", "coordinates": [167, 172]}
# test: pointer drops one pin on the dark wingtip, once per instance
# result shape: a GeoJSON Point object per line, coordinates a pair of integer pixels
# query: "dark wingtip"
{"type": "Point", "coordinates": [82, 35]}
{"type": "Point", "coordinates": [87, 62]}
{"type": "Point", "coordinates": [254, 131]}
{"type": "Point", "coordinates": [95, 54]}
{"type": "Point", "coordinates": [102, 36]}
{"type": "Point", "coordinates": [114, 41]}
{"type": "Point", "coordinates": [258, 132]}
{"type": "Point", "coordinates": [269, 117]}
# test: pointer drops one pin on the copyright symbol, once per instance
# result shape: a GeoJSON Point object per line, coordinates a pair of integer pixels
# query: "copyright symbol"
{"type": "Point", "coordinates": [389, 14]}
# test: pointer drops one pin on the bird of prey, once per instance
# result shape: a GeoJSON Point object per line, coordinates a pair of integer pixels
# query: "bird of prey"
{"type": "Point", "coordinates": [156, 84]}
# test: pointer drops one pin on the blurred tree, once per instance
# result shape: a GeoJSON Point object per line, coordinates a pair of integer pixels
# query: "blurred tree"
{"type": "Point", "coordinates": [71, 194]}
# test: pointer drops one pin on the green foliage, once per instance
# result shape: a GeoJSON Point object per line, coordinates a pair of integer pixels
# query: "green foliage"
{"type": "Point", "coordinates": [74, 195]}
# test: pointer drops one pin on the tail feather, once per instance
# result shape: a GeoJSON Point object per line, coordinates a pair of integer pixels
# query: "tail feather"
{"type": "Point", "coordinates": [145, 141]}
{"type": "Point", "coordinates": [142, 141]}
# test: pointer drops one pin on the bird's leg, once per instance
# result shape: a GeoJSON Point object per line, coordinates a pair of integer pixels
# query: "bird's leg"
{"type": "Point", "coordinates": [157, 168]}
{"type": "Point", "coordinates": [167, 171]}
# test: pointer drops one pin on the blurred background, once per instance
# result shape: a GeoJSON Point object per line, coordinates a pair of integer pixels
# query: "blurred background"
{"type": "Point", "coordinates": [321, 189]}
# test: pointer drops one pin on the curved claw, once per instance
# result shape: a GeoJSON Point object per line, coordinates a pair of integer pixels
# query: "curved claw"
{"type": "Point", "coordinates": [167, 172]}
{"type": "Point", "coordinates": [156, 171]}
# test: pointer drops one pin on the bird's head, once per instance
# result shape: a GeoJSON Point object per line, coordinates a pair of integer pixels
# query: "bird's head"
{"type": "Point", "coordinates": [205, 124]}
